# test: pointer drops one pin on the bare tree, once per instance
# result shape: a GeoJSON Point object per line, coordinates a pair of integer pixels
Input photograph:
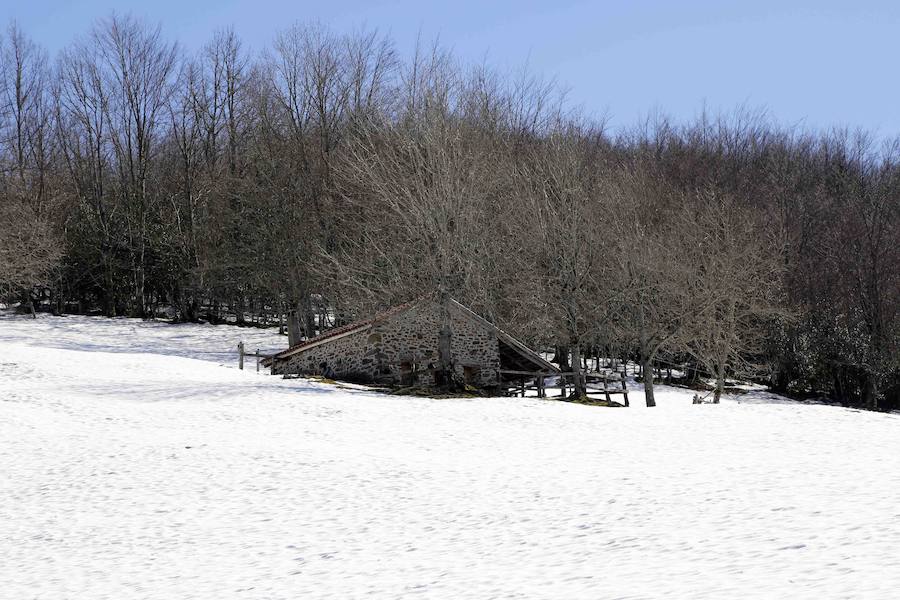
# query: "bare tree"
{"type": "Point", "coordinates": [417, 194]}
{"type": "Point", "coordinates": [321, 85]}
{"type": "Point", "coordinates": [567, 217]}
{"type": "Point", "coordinates": [29, 250]}
{"type": "Point", "coordinates": [734, 275]}
{"type": "Point", "coordinates": [858, 254]}
{"type": "Point", "coordinates": [137, 68]}
{"type": "Point", "coordinates": [657, 306]}
{"type": "Point", "coordinates": [29, 246]}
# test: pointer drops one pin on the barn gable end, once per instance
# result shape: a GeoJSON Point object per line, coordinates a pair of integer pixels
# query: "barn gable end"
{"type": "Point", "coordinates": [401, 347]}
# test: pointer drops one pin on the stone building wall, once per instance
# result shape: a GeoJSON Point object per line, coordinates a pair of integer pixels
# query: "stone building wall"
{"type": "Point", "coordinates": [341, 358]}
{"type": "Point", "coordinates": [403, 349]}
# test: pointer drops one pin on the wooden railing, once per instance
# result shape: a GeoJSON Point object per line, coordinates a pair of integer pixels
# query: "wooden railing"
{"type": "Point", "coordinates": [611, 384]}
{"type": "Point", "coordinates": [242, 353]}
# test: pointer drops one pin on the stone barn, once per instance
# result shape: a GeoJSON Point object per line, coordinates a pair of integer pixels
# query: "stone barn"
{"type": "Point", "coordinates": [404, 346]}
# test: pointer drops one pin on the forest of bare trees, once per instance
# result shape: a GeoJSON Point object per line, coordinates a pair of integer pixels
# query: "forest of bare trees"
{"type": "Point", "coordinates": [326, 177]}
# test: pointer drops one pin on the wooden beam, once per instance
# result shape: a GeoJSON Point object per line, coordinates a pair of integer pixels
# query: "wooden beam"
{"type": "Point", "coordinates": [530, 373]}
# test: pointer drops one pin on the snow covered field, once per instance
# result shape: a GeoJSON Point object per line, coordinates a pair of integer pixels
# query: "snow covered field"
{"type": "Point", "coordinates": [135, 464]}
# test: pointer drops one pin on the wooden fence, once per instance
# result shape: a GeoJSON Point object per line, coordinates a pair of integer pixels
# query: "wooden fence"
{"type": "Point", "coordinates": [596, 382]}
{"type": "Point", "coordinates": [242, 353]}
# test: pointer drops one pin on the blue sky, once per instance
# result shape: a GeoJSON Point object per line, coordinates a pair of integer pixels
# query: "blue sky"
{"type": "Point", "coordinates": [816, 64]}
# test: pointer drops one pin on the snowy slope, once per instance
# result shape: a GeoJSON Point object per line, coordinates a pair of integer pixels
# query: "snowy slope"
{"type": "Point", "coordinates": [134, 465]}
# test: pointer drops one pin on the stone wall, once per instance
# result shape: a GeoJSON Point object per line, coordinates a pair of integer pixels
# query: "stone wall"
{"type": "Point", "coordinates": [338, 358]}
{"type": "Point", "coordinates": [403, 349]}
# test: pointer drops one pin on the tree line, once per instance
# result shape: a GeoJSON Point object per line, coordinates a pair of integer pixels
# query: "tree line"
{"type": "Point", "coordinates": [327, 177]}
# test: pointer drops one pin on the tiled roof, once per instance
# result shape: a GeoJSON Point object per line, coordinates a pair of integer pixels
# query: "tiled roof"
{"type": "Point", "coordinates": [349, 328]}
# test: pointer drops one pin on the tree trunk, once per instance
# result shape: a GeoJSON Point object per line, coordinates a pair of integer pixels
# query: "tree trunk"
{"type": "Point", "coordinates": [306, 319]}
{"type": "Point", "coordinates": [647, 369]}
{"type": "Point", "coordinates": [238, 308]}
{"type": "Point", "coordinates": [310, 322]}
{"type": "Point", "coordinates": [28, 300]}
{"type": "Point", "coordinates": [293, 327]}
{"type": "Point", "coordinates": [561, 357]}
{"type": "Point", "coordinates": [870, 393]}
{"type": "Point", "coordinates": [720, 384]}
{"type": "Point", "coordinates": [193, 308]}
{"type": "Point", "coordinates": [578, 372]}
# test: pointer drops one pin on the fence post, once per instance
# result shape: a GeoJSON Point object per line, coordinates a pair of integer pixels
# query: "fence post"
{"type": "Point", "coordinates": [241, 356]}
{"type": "Point", "coordinates": [257, 360]}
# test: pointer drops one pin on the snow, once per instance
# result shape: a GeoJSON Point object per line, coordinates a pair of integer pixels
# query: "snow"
{"type": "Point", "coordinates": [136, 461]}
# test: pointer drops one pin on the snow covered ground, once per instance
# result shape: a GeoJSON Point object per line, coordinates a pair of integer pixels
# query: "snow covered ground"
{"type": "Point", "coordinates": [136, 461]}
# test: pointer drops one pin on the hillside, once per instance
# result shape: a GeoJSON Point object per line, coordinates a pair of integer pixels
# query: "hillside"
{"type": "Point", "coordinates": [136, 461]}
